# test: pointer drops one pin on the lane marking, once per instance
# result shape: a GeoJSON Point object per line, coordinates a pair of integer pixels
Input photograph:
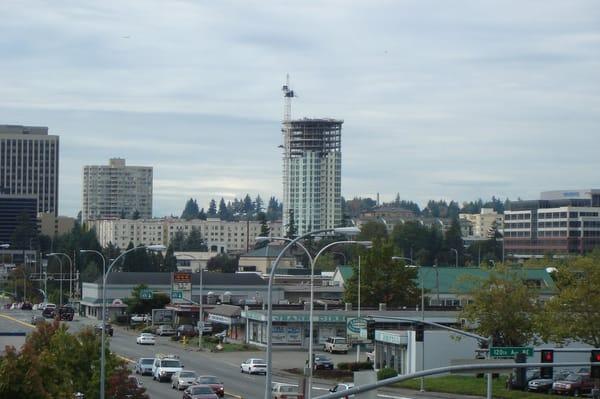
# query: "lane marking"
{"type": "Point", "coordinates": [233, 395]}
{"type": "Point", "coordinates": [17, 320]}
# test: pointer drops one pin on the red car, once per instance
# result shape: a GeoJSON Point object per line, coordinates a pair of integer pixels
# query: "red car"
{"type": "Point", "coordinates": [214, 383]}
{"type": "Point", "coordinates": [199, 392]}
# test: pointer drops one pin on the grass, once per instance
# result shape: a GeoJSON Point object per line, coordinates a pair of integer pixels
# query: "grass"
{"type": "Point", "coordinates": [467, 385]}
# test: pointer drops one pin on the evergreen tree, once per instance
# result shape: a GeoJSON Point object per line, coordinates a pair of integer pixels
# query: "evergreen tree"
{"type": "Point", "coordinates": [223, 213]}
{"type": "Point", "coordinates": [212, 209]}
{"type": "Point", "coordinates": [274, 210]}
{"type": "Point", "coordinates": [178, 241]}
{"type": "Point", "coordinates": [248, 206]}
{"type": "Point", "coordinates": [191, 210]}
{"type": "Point", "coordinates": [292, 231]}
{"type": "Point", "coordinates": [202, 214]}
{"type": "Point", "coordinates": [453, 241]}
{"type": "Point", "coordinates": [258, 205]}
{"type": "Point", "coordinates": [194, 241]}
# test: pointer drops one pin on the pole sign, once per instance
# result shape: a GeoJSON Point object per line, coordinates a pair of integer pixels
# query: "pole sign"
{"type": "Point", "coordinates": [354, 325]}
{"type": "Point", "coordinates": [181, 287]}
{"type": "Point", "coordinates": [146, 294]}
{"type": "Point", "coordinates": [510, 352]}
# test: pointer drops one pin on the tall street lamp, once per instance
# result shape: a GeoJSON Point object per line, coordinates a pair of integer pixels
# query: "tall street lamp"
{"type": "Point", "coordinates": [413, 264]}
{"type": "Point", "coordinates": [104, 278]}
{"type": "Point", "coordinates": [456, 256]}
{"type": "Point", "coordinates": [58, 254]}
{"type": "Point", "coordinates": [338, 230]}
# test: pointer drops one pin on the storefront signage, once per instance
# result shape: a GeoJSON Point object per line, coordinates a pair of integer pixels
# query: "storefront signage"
{"type": "Point", "coordinates": [296, 317]}
{"type": "Point", "coordinates": [354, 325]}
{"type": "Point", "coordinates": [217, 318]}
{"type": "Point", "coordinates": [398, 338]}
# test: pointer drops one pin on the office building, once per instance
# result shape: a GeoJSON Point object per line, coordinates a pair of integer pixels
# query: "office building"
{"type": "Point", "coordinates": [559, 223]}
{"type": "Point", "coordinates": [29, 164]}
{"type": "Point", "coordinates": [116, 191]}
{"type": "Point", "coordinates": [483, 224]}
{"type": "Point", "coordinates": [15, 210]}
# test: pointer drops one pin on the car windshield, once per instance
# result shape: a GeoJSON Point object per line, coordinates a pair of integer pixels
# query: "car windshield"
{"type": "Point", "coordinates": [187, 374]}
{"type": "Point", "coordinates": [322, 358]}
{"type": "Point", "coordinates": [147, 361]}
{"type": "Point", "coordinates": [147, 335]}
{"type": "Point", "coordinates": [171, 363]}
{"type": "Point", "coordinates": [201, 390]}
{"type": "Point", "coordinates": [208, 380]}
{"type": "Point", "coordinates": [573, 377]}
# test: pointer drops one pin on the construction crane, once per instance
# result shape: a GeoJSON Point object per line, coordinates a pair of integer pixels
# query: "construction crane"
{"type": "Point", "coordinates": [288, 94]}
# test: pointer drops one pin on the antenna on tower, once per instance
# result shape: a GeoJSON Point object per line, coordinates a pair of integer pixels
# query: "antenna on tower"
{"type": "Point", "coordinates": [288, 94]}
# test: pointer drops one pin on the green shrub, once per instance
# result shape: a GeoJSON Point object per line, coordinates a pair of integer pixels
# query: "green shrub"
{"type": "Point", "coordinates": [121, 319]}
{"type": "Point", "coordinates": [355, 366]}
{"type": "Point", "coordinates": [149, 329]}
{"type": "Point", "coordinates": [385, 373]}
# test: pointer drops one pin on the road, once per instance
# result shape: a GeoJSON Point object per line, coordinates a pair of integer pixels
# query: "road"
{"type": "Point", "coordinates": [226, 366]}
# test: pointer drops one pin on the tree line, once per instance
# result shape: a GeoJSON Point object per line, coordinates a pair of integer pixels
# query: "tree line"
{"type": "Point", "coordinates": [239, 209]}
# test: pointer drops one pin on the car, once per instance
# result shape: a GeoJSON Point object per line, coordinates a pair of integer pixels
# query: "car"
{"type": "Point", "coordinates": [66, 312]}
{"type": "Point", "coordinates": [145, 339]}
{"type": "Point", "coordinates": [183, 379]}
{"type": "Point", "coordinates": [36, 318]}
{"type": "Point", "coordinates": [344, 386]}
{"type": "Point", "coordinates": [186, 330]}
{"type": "Point", "coordinates": [199, 392]}
{"type": "Point", "coordinates": [165, 330]}
{"type": "Point", "coordinates": [143, 365]}
{"type": "Point", "coordinates": [49, 311]}
{"type": "Point", "coordinates": [207, 328]}
{"type": "Point", "coordinates": [280, 390]}
{"type": "Point", "coordinates": [214, 383]}
{"type": "Point", "coordinates": [530, 374]}
{"type": "Point", "coordinates": [545, 384]}
{"type": "Point", "coordinates": [26, 306]}
{"type": "Point", "coordinates": [254, 366]}
{"type": "Point", "coordinates": [165, 366]}
{"type": "Point", "coordinates": [322, 363]}
{"type": "Point", "coordinates": [574, 384]}
{"type": "Point", "coordinates": [139, 318]}
{"type": "Point", "coordinates": [336, 344]}
{"type": "Point", "coordinates": [109, 330]}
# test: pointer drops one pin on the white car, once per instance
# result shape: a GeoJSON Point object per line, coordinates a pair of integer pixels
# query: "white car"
{"type": "Point", "coordinates": [139, 318]}
{"type": "Point", "coordinates": [145, 339]}
{"type": "Point", "coordinates": [183, 379]}
{"type": "Point", "coordinates": [344, 386]}
{"type": "Point", "coordinates": [253, 366]}
{"type": "Point", "coordinates": [336, 344]}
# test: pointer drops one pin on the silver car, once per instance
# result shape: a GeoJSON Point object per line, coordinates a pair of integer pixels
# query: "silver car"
{"type": "Point", "coordinates": [144, 365]}
{"type": "Point", "coordinates": [183, 379]}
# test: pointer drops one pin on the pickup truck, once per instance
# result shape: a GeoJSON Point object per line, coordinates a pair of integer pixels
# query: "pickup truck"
{"type": "Point", "coordinates": [573, 384]}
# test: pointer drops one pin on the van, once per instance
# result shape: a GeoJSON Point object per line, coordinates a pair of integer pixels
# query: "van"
{"type": "Point", "coordinates": [336, 344]}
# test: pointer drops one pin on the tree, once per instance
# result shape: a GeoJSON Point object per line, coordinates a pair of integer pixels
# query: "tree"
{"type": "Point", "coordinates": [265, 231]}
{"type": "Point", "coordinates": [274, 210]}
{"type": "Point", "coordinates": [223, 263]}
{"type": "Point", "coordinates": [373, 231]}
{"type": "Point", "coordinates": [503, 306]}
{"type": "Point", "coordinates": [194, 241]}
{"type": "Point", "coordinates": [574, 314]}
{"type": "Point", "coordinates": [223, 213]}
{"type": "Point", "coordinates": [248, 206]}
{"type": "Point", "coordinates": [135, 215]}
{"type": "Point", "coordinates": [137, 305]}
{"type": "Point", "coordinates": [453, 240]}
{"type": "Point", "coordinates": [258, 204]}
{"type": "Point", "coordinates": [202, 214]}
{"type": "Point", "coordinates": [191, 210]}
{"type": "Point", "coordinates": [178, 241]}
{"type": "Point", "coordinates": [383, 280]}
{"type": "Point", "coordinates": [212, 209]}
{"type": "Point", "coordinates": [25, 233]}
{"type": "Point", "coordinates": [292, 231]}
{"type": "Point", "coordinates": [170, 262]}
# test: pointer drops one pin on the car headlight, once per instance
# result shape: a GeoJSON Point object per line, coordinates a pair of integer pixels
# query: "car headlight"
{"type": "Point", "coordinates": [162, 372]}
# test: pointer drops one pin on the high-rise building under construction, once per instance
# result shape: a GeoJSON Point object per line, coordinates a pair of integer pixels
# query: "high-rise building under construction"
{"type": "Point", "coordinates": [312, 170]}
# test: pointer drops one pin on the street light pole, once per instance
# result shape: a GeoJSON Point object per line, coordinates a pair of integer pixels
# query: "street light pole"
{"type": "Point", "coordinates": [413, 264]}
{"type": "Point", "coordinates": [358, 310]}
{"type": "Point", "coordinates": [58, 254]}
{"type": "Point", "coordinates": [105, 274]}
{"type": "Point", "coordinates": [269, 376]}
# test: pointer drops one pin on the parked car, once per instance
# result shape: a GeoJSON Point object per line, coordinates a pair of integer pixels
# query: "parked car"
{"type": "Point", "coordinates": [199, 392]}
{"type": "Point", "coordinates": [253, 366]}
{"type": "Point", "coordinates": [109, 329]}
{"type": "Point", "coordinates": [214, 383]}
{"type": "Point", "coordinates": [143, 365]}
{"type": "Point", "coordinates": [145, 339]}
{"type": "Point", "coordinates": [165, 330]}
{"type": "Point", "coordinates": [183, 379]}
{"type": "Point", "coordinates": [49, 311]}
{"type": "Point", "coordinates": [207, 328]}
{"type": "Point", "coordinates": [139, 318]}
{"type": "Point", "coordinates": [336, 344]}
{"type": "Point", "coordinates": [280, 390]}
{"type": "Point", "coordinates": [165, 366]}
{"type": "Point", "coordinates": [344, 386]}
{"type": "Point", "coordinates": [573, 384]}
{"type": "Point", "coordinates": [545, 384]}
{"type": "Point", "coordinates": [26, 306]}
{"type": "Point", "coordinates": [322, 363]}
{"type": "Point", "coordinates": [186, 330]}
{"type": "Point", "coordinates": [66, 312]}
{"type": "Point", "coordinates": [36, 318]}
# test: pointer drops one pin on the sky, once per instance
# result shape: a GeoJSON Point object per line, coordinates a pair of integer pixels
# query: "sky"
{"type": "Point", "coordinates": [453, 100]}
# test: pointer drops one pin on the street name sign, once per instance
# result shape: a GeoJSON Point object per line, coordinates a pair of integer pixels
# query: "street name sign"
{"type": "Point", "coordinates": [510, 352]}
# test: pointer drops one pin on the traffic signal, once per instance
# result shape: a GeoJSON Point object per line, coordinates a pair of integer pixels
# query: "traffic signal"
{"type": "Point", "coordinates": [595, 358]}
{"type": "Point", "coordinates": [370, 329]}
{"type": "Point", "coordinates": [547, 357]}
{"type": "Point", "coordinates": [419, 333]}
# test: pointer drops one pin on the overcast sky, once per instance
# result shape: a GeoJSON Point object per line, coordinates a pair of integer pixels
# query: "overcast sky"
{"type": "Point", "coordinates": [440, 99]}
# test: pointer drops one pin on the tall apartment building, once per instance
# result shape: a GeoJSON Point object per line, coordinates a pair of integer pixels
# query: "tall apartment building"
{"type": "Point", "coordinates": [116, 191]}
{"type": "Point", "coordinates": [219, 235]}
{"type": "Point", "coordinates": [560, 223]}
{"type": "Point", "coordinates": [29, 164]}
{"type": "Point", "coordinates": [482, 224]}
